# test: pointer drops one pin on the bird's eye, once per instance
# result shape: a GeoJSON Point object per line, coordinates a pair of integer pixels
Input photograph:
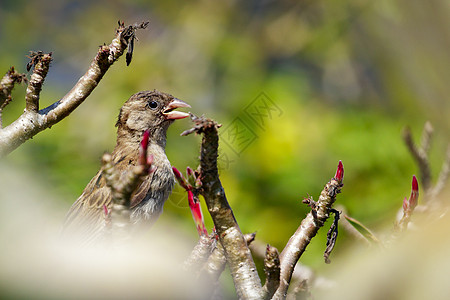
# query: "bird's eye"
{"type": "Point", "coordinates": [152, 104]}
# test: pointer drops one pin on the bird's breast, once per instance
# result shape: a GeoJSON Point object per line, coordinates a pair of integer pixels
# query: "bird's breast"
{"type": "Point", "coordinates": [153, 192]}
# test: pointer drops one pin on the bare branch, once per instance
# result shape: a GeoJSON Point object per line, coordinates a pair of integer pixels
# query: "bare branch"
{"type": "Point", "coordinates": [420, 154]}
{"type": "Point", "coordinates": [427, 135]}
{"type": "Point", "coordinates": [308, 228]}
{"type": "Point", "coordinates": [33, 121]}
{"type": "Point", "coordinates": [242, 267]}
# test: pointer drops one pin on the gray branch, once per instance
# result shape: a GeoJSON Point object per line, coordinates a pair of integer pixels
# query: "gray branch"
{"type": "Point", "coordinates": [33, 121]}
{"type": "Point", "coordinates": [308, 228]}
{"type": "Point", "coordinates": [239, 258]}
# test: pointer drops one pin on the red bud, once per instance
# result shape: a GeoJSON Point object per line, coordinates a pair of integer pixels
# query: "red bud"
{"type": "Point", "coordinates": [145, 138]}
{"type": "Point", "coordinates": [177, 173]}
{"type": "Point", "coordinates": [339, 172]}
{"type": "Point", "coordinates": [197, 215]}
{"type": "Point", "coordinates": [413, 198]}
{"type": "Point", "coordinates": [143, 148]}
{"type": "Point", "coordinates": [189, 171]}
{"type": "Point", "coordinates": [180, 178]}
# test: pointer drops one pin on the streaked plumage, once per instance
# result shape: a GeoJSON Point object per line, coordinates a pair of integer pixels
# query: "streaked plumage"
{"type": "Point", "coordinates": [150, 110]}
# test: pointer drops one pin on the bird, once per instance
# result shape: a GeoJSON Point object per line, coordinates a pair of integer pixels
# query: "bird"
{"type": "Point", "coordinates": [151, 111]}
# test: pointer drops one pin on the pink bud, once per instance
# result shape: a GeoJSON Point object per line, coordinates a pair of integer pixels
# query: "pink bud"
{"type": "Point", "coordinates": [339, 172]}
{"type": "Point", "coordinates": [150, 159]}
{"type": "Point", "coordinates": [190, 176]}
{"type": "Point", "coordinates": [198, 182]}
{"type": "Point", "coordinates": [105, 210]}
{"type": "Point", "coordinates": [405, 204]}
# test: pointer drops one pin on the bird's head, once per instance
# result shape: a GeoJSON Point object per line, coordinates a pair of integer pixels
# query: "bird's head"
{"type": "Point", "coordinates": [151, 110]}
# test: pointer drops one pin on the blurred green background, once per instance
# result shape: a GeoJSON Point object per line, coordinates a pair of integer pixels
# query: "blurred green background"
{"type": "Point", "coordinates": [340, 80]}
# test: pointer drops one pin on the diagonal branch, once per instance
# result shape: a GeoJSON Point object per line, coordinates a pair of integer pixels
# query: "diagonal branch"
{"type": "Point", "coordinates": [239, 259]}
{"type": "Point", "coordinates": [32, 121]}
{"type": "Point", "coordinates": [308, 228]}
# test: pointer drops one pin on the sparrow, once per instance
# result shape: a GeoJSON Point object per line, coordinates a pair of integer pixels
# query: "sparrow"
{"type": "Point", "coordinates": [147, 110]}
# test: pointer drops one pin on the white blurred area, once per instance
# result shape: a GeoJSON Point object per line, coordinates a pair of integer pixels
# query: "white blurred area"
{"type": "Point", "coordinates": [415, 266]}
{"type": "Point", "coordinates": [35, 263]}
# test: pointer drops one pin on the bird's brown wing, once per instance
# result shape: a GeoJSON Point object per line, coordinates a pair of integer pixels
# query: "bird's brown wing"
{"type": "Point", "coordinates": [87, 216]}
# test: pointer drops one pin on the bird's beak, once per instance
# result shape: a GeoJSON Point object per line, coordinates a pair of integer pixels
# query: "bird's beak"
{"type": "Point", "coordinates": [169, 112]}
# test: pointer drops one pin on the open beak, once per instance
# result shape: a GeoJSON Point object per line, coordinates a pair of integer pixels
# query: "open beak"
{"type": "Point", "coordinates": [169, 112]}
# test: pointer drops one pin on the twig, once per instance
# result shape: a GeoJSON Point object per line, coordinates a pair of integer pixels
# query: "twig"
{"type": "Point", "coordinates": [443, 176]}
{"type": "Point", "coordinates": [308, 228]}
{"type": "Point", "coordinates": [6, 86]}
{"type": "Point", "coordinates": [122, 188]}
{"type": "Point", "coordinates": [331, 236]}
{"type": "Point", "coordinates": [32, 121]}
{"type": "Point", "coordinates": [301, 291]}
{"type": "Point", "coordinates": [301, 272]}
{"type": "Point", "coordinates": [192, 187]}
{"type": "Point", "coordinates": [409, 205]}
{"type": "Point", "coordinates": [242, 267]}
{"type": "Point", "coordinates": [200, 254]}
{"type": "Point", "coordinates": [352, 229]}
{"type": "Point", "coordinates": [427, 135]}
{"type": "Point", "coordinates": [217, 261]}
{"type": "Point", "coordinates": [359, 231]}
{"type": "Point", "coordinates": [420, 154]}
{"type": "Point", "coordinates": [41, 63]}
{"type": "Point", "coordinates": [272, 271]}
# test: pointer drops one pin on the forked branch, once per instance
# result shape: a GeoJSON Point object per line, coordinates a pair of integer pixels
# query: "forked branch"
{"type": "Point", "coordinates": [33, 120]}
{"type": "Point", "coordinates": [239, 258]}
